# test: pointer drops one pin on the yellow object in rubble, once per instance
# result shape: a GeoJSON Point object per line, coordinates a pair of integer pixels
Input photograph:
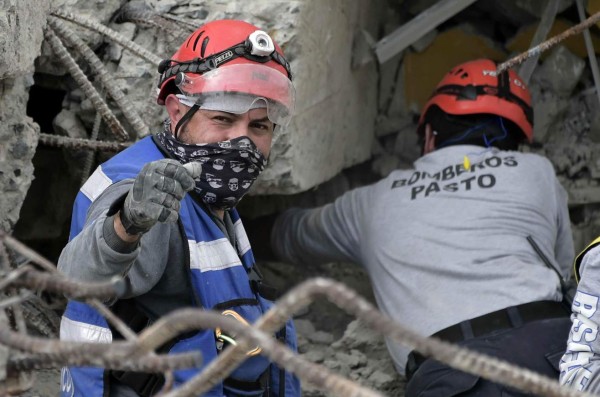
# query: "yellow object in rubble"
{"type": "Point", "coordinates": [466, 162]}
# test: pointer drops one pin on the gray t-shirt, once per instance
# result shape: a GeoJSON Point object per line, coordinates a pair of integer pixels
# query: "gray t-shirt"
{"type": "Point", "coordinates": [580, 365]}
{"type": "Point", "coordinates": [441, 243]}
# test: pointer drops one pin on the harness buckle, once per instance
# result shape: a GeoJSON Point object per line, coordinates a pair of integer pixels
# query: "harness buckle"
{"type": "Point", "coordinates": [223, 339]}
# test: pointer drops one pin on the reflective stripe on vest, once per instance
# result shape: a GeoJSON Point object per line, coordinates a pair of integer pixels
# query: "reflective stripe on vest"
{"type": "Point", "coordinates": [217, 275]}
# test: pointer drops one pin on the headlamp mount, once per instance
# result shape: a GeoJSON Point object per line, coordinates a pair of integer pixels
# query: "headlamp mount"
{"type": "Point", "coordinates": [260, 43]}
{"type": "Point", "coordinates": [258, 47]}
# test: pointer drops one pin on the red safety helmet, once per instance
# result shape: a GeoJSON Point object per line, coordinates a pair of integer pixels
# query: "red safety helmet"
{"type": "Point", "coordinates": [230, 57]}
{"type": "Point", "coordinates": [474, 87]}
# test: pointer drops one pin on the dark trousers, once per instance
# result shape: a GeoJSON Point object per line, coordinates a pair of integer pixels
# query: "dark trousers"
{"type": "Point", "coordinates": [537, 346]}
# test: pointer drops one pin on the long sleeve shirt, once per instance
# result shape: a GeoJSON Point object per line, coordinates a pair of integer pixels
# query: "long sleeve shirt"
{"type": "Point", "coordinates": [441, 243]}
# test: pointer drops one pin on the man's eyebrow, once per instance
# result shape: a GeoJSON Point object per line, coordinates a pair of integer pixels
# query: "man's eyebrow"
{"type": "Point", "coordinates": [221, 111]}
{"type": "Point", "coordinates": [262, 119]}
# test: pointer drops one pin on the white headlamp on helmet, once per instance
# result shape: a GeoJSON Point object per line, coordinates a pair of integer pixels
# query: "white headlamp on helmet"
{"type": "Point", "coordinates": [260, 44]}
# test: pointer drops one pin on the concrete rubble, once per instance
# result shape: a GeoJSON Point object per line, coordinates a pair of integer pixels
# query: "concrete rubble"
{"type": "Point", "coordinates": [358, 355]}
{"type": "Point", "coordinates": [20, 39]}
{"type": "Point", "coordinates": [355, 123]}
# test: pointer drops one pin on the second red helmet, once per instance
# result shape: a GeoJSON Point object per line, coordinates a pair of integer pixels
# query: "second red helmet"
{"type": "Point", "coordinates": [475, 88]}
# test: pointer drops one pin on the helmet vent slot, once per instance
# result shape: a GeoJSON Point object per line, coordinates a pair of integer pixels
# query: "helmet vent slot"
{"type": "Point", "coordinates": [196, 41]}
{"type": "Point", "coordinates": [204, 44]}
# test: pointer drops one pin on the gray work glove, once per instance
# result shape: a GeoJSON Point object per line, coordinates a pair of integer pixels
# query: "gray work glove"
{"type": "Point", "coordinates": [156, 194]}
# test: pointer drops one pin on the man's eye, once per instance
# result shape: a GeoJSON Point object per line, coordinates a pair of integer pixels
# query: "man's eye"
{"type": "Point", "coordinates": [222, 118]}
{"type": "Point", "coordinates": [263, 127]}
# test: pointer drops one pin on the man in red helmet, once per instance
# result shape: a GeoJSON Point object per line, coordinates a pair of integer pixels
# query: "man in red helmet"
{"type": "Point", "coordinates": [162, 215]}
{"type": "Point", "coordinates": [471, 245]}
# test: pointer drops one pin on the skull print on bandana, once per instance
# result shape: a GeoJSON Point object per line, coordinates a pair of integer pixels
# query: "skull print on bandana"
{"type": "Point", "coordinates": [229, 168]}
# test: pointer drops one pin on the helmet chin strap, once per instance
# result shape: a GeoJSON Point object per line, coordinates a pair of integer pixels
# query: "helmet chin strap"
{"type": "Point", "coordinates": [186, 117]}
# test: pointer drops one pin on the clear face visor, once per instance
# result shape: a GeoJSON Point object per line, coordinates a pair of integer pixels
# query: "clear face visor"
{"type": "Point", "coordinates": [240, 88]}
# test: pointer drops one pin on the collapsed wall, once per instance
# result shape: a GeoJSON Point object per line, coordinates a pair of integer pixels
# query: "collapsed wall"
{"type": "Point", "coordinates": [20, 39]}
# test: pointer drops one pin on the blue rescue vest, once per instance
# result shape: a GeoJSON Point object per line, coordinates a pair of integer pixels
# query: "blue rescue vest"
{"type": "Point", "coordinates": [219, 277]}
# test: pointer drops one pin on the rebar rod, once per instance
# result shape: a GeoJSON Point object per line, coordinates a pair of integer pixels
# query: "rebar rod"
{"type": "Point", "coordinates": [90, 156]}
{"type": "Point", "coordinates": [465, 360]}
{"type": "Point", "coordinates": [589, 46]}
{"type": "Point", "coordinates": [551, 42]}
{"type": "Point", "coordinates": [39, 345]}
{"type": "Point", "coordinates": [6, 278]}
{"type": "Point", "coordinates": [96, 26]}
{"type": "Point", "coordinates": [78, 143]}
{"type": "Point", "coordinates": [15, 300]}
{"type": "Point", "coordinates": [144, 15]}
{"type": "Point", "coordinates": [88, 89]}
{"type": "Point", "coordinates": [190, 26]}
{"type": "Point", "coordinates": [27, 252]}
{"type": "Point", "coordinates": [185, 320]}
{"type": "Point", "coordinates": [47, 265]}
{"type": "Point", "coordinates": [97, 67]}
{"type": "Point", "coordinates": [58, 283]}
{"type": "Point", "coordinates": [546, 21]}
{"type": "Point", "coordinates": [460, 358]}
{"type": "Point", "coordinates": [148, 363]}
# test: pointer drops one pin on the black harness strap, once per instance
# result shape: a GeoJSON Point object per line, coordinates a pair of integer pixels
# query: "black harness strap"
{"type": "Point", "coordinates": [470, 92]}
{"type": "Point", "coordinates": [504, 85]}
{"type": "Point", "coordinates": [144, 384]}
{"type": "Point", "coordinates": [282, 335]}
{"type": "Point", "coordinates": [235, 302]}
{"type": "Point", "coordinates": [203, 65]}
{"type": "Point", "coordinates": [262, 383]}
{"type": "Point", "coordinates": [190, 113]}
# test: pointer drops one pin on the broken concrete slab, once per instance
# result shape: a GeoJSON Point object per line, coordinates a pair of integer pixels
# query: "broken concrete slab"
{"type": "Point", "coordinates": [393, 124]}
{"type": "Point", "coordinates": [425, 41]}
{"type": "Point", "coordinates": [391, 103]}
{"type": "Point", "coordinates": [584, 195]}
{"type": "Point", "coordinates": [541, 33]}
{"type": "Point", "coordinates": [407, 146]}
{"type": "Point", "coordinates": [19, 136]}
{"type": "Point", "coordinates": [385, 164]}
{"type": "Point", "coordinates": [418, 27]}
{"type": "Point", "coordinates": [547, 109]}
{"type": "Point", "coordinates": [67, 123]}
{"type": "Point", "coordinates": [334, 126]}
{"type": "Point", "coordinates": [21, 32]}
{"type": "Point", "coordinates": [561, 71]}
{"type": "Point", "coordinates": [594, 133]}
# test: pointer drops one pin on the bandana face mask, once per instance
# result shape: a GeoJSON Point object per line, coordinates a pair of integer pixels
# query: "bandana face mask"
{"type": "Point", "coordinates": [229, 168]}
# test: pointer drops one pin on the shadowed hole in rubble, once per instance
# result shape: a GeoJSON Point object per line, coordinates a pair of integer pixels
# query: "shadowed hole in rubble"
{"type": "Point", "coordinates": [45, 215]}
{"type": "Point", "coordinates": [43, 106]}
